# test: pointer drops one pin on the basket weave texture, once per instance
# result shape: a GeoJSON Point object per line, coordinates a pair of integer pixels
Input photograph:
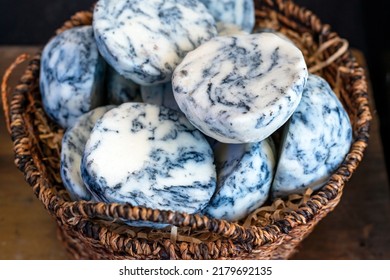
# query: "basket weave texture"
{"type": "Point", "coordinates": [92, 230]}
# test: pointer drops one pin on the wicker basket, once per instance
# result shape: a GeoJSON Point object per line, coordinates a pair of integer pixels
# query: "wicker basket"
{"type": "Point", "coordinates": [97, 230]}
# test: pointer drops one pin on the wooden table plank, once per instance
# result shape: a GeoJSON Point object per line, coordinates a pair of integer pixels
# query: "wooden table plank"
{"type": "Point", "coordinates": [357, 229]}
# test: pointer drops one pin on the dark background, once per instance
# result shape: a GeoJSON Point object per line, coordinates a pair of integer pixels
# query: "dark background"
{"type": "Point", "coordinates": [364, 23]}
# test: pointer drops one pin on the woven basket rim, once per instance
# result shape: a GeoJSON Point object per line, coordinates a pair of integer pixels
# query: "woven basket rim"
{"type": "Point", "coordinates": [71, 213]}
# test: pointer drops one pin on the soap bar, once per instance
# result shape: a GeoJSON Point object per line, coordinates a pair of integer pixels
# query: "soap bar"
{"type": "Point", "coordinates": [240, 89]}
{"type": "Point", "coordinates": [73, 143]}
{"type": "Point", "coordinates": [71, 75]}
{"type": "Point", "coordinates": [315, 141]}
{"type": "Point", "coordinates": [145, 40]}
{"type": "Point", "coordinates": [121, 90]}
{"type": "Point", "coordinates": [244, 177]}
{"type": "Point", "coordinates": [149, 156]}
{"type": "Point", "coordinates": [161, 95]}
{"type": "Point", "coordinates": [238, 12]}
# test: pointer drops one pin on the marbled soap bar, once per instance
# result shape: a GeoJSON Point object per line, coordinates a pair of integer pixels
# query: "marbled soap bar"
{"type": "Point", "coordinates": [161, 95]}
{"type": "Point", "coordinates": [121, 90]}
{"type": "Point", "coordinates": [238, 12]}
{"type": "Point", "coordinates": [245, 173]}
{"type": "Point", "coordinates": [149, 156]}
{"type": "Point", "coordinates": [240, 89]}
{"type": "Point", "coordinates": [315, 141]}
{"type": "Point", "coordinates": [71, 75]}
{"type": "Point", "coordinates": [73, 143]}
{"type": "Point", "coordinates": [145, 40]}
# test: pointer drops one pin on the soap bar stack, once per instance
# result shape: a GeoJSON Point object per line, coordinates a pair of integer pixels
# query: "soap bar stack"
{"type": "Point", "coordinates": [174, 104]}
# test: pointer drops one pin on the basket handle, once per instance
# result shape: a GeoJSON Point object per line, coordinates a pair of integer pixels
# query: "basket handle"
{"type": "Point", "coordinates": [340, 52]}
{"type": "Point", "coordinates": [4, 87]}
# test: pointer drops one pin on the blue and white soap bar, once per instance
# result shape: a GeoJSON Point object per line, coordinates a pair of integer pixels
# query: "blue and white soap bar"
{"type": "Point", "coordinates": [121, 90]}
{"type": "Point", "coordinates": [315, 141]}
{"type": "Point", "coordinates": [145, 40]}
{"type": "Point", "coordinates": [73, 143]}
{"type": "Point", "coordinates": [161, 95]}
{"type": "Point", "coordinates": [238, 12]}
{"type": "Point", "coordinates": [71, 75]}
{"type": "Point", "coordinates": [244, 177]}
{"type": "Point", "coordinates": [149, 156]}
{"type": "Point", "coordinates": [240, 89]}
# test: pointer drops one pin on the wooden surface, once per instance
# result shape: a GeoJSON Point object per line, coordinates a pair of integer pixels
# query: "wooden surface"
{"type": "Point", "coordinates": [359, 227]}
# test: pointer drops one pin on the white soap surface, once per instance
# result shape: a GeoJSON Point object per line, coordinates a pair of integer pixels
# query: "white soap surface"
{"type": "Point", "coordinates": [149, 156]}
{"type": "Point", "coordinates": [240, 89]}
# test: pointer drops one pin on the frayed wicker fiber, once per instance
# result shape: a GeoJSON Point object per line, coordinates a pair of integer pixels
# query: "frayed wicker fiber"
{"type": "Point", "coordinates": [98, 230]}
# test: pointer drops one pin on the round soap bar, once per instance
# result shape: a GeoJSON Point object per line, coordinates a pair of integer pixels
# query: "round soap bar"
{"type": "Point", "coordinates": [73, 143]}
{"type": "Point", "coordinates": [145, 40]}
{"type": "Point", "coordinates": [121, 90]}
{"type": "Point", "coordinates": [71, 75]}
{"type": "Point", "coordinates": [244, 177]}
{"type": "Point", "coordinates": [315, 141]}
{"type": "Point", "coordinates": [240, 89]}
{"type": "Point", "coordinates": [149, 156]}
{"type": "Point", "coordinates": [238, 12]}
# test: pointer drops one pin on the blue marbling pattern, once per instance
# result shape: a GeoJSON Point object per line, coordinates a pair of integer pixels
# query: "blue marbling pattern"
{"type": "Point", "coordinates": [147, 224]}
{"type": "Point", "coordinates": [240, 89]}
{"type": "Point", "coordinates": [71, 75]}
{"type": "Point", "coordinates": [73, 143]}
{"type": "Point", "coordinates": [161, 95]}
{"type": "Point", "coordinates": [145, 40]}
{"type": "Point", "coordinates": [121, 90]}
{"type": "Point", "coordinates": [238, 12]}
{"type": "Point", "coordinates": [244, 177]}
{"type": "Point", "coordinates": [315, 141]}
{"type": "Point", "coordinates": [149, 156]}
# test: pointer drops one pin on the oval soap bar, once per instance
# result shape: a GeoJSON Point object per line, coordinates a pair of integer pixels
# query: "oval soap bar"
{"type": "Point", "coordinates": [145, 40]}
{"type": "Point", "coordinates": [315, 141]}
{"type": "Point", "coordinates": [240, 89]}
{"type": "Point", "coordinates": [244, 177]}
{"type": "Point", "coordinates": [149, 156]}
{"type": "Point", "coordinates": [73, 143]}
{"type": "Point", "coordinates": [227, 29]}
{"type": "Point", "coordinates": [71, 75]}
{"type": "Point", "coordinates": [161, 95]}
{"type": "Point", "coordinates": [237, 12]}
